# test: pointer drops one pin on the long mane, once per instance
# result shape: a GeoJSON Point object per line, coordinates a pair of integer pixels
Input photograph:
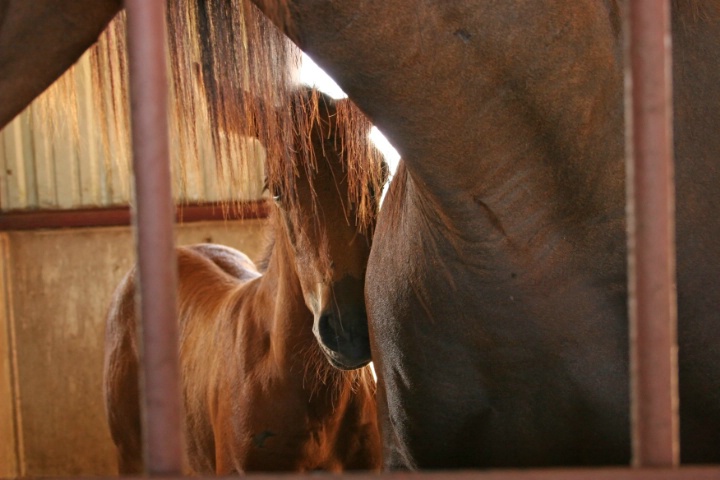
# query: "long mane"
{"type": "Point", "coordinates": [233, 78]}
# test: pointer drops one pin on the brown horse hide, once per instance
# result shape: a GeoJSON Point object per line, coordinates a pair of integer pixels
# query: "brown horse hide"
{"type": "Point", "coordinates": [41, 39]}
{"type": "Point", "coordinates": [497, 287]}
{"type": "Point", "coordinates": [257, 349]}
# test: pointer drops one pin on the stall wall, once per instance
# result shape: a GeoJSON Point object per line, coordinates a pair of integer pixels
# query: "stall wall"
{"type": "Point", "coordinates": [9, 443]}
{"type": "Point", "coordinates": [56, 286]}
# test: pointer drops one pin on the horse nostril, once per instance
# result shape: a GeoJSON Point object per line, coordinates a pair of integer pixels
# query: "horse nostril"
{"type": "Point", "coordinates": [327, 329]}
{"type": "Point", "coordinates": [345, 339]}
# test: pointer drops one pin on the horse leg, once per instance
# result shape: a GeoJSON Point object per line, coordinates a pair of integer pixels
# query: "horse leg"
{"type": "Point", "coordinates": [224, 464]}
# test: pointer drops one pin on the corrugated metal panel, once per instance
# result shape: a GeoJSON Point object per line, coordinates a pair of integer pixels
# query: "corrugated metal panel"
{"type": "Point", "coordinates": [49, 160]}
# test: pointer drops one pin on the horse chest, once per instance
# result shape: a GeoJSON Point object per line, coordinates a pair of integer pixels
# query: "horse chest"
{"type": "Point", "coordinates": [279, 426]}
{"type": "Point", "coordinates": [283, 441]}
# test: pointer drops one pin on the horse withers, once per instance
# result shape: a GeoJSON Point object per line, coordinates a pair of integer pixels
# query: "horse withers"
{"type": "Point", "coordinates": [259, 392]}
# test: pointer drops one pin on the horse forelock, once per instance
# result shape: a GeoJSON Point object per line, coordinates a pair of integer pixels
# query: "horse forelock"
{"type": "Point", "coordinates": [320, 124]}
{"type": "Point", "coordinates": [302, 226]}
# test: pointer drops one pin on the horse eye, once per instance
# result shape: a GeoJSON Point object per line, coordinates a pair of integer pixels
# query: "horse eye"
{"type": "Point", "coordinates": [274, 191]}
{"type": "Point", "coordinates": [277, 194]}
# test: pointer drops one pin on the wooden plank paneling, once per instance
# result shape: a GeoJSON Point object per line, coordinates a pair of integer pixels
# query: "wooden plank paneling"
{"type": "Point", "coordinates": [70, 150]}
{"type": "Point", "coordinates": [9, 418]}
{"type": "Point", "coordinates": [90, 168]}
{"type": "Point", "coordinates": [3, 183]}
{"type": "Point", "coordinates": [41, 158]}
{"type": "Point", "coordinates": [14, 172]}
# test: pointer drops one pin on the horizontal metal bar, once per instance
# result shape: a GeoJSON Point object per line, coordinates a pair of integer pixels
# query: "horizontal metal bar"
{"type": "Point", "coordinates": [121, 216]}
{"type": "Point", "coordinates": [684, 473]}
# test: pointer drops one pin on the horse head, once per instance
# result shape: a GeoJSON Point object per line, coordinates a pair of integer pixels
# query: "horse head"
{"type": "Point", "coordinates": [329, 234]}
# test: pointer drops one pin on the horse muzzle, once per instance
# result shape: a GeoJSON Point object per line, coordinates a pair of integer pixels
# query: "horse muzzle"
{"type": "Point", "coordinates": [343, 338]}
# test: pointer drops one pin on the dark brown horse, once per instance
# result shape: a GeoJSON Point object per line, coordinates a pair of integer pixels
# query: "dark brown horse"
{"type": "Point", "coordinates": [496, 285]}
{"type": "Point", "coordinates": [39, 40]}
{"type": "Point", "coordinates": [259, 392]}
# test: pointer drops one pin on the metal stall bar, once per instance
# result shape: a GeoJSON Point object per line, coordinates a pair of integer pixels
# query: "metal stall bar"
{"type": "Point", "coordinates": [651, 239]}
{"type": "Point", "coordinates": [160, 387]}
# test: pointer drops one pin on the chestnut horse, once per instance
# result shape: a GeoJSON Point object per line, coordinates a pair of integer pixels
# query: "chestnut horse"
{"type": "Point", "coordinates": [259, 391]}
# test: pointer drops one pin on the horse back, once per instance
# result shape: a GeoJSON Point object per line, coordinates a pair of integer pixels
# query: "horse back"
{"type": "Point", "coordinates": [233, 262]}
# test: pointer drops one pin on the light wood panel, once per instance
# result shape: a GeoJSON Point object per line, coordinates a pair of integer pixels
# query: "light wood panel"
{"type": "Point", "coordinates": [66, 150]}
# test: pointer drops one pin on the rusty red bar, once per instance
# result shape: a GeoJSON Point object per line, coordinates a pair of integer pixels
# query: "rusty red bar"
{"type": "Point", "coordinates": [121, 216]}
{"type": "Point", "coordinates": [154, 214]}
{"type": "Point", "coordinates": [651, 236]}
{"type": "Point", "coordinates": [683, 473]}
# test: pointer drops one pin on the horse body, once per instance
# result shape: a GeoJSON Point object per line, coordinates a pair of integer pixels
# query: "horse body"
{"type": "Point", "coordinates": [696, 77]}
{"type": "Point", "coordinates": [259, 392]}
{"type": "Point", "coordinates": [496, 287]}
{"type": "Point", "coordinates": [518, 283]}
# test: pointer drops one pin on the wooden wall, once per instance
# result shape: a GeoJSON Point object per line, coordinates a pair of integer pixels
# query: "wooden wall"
{"type": "Point", "coordinates": [55, 286]}
{"type": "Point", "coordinates": [8, 421]}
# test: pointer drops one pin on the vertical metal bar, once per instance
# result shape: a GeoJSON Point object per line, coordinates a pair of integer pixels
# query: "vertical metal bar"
{"type": "Point", "coordinates": [651, 235]}
{"type": "Point", "coordinates": [160, 385]}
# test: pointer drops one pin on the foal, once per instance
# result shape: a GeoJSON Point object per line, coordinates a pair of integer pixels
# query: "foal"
{"type": "Point", "coordinates": [259, 392]}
